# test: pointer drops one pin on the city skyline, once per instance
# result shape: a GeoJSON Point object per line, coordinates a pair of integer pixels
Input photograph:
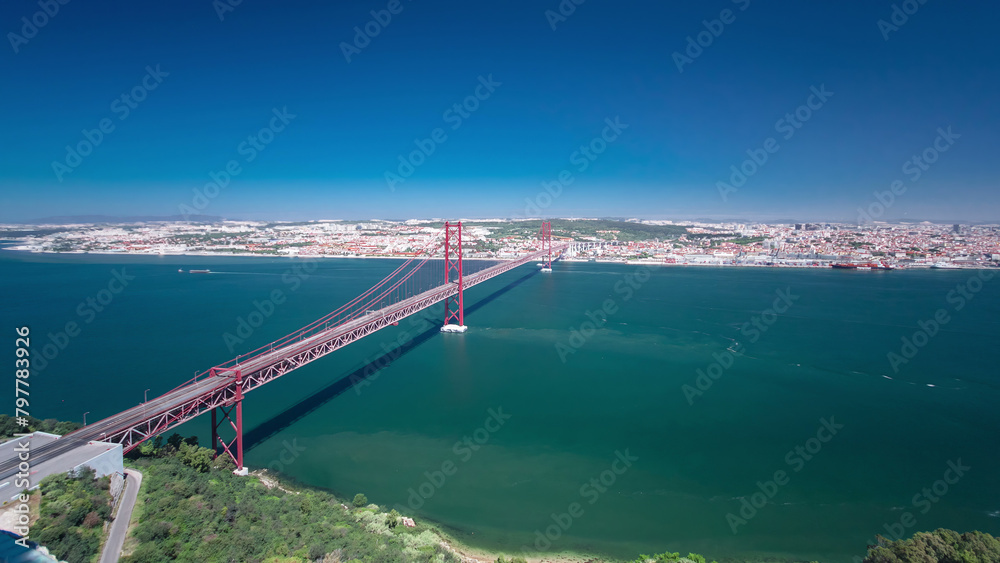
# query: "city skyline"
{"type": "Point", "coordinates": [667, 219]}
{"type": "Point", "coordinates": [399, 109]}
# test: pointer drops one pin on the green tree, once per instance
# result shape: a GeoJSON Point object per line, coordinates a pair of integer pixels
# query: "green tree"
{"type": "Point", "coordinates": [360, 500]}
{"type": "Point", "coordinates": [945, 546]}
{"type": "Point", "coordinates": [193, 456]}
{"type": "Point", "coordinates": [147, 448]}
{"type": "Point", "coordinates": [223, 463]}
{"type": "Point", "coordinates": [175, 440]}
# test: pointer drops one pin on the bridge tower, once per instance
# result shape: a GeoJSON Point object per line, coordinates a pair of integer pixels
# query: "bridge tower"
{"type": "Point", "coordinates": [234, 448]}
{"type": "Point", "coordinates": [453, 306]}
{"type": "Point", "coordinates": [546, 236]}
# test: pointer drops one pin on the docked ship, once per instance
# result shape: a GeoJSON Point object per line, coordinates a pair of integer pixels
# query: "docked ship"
{"type": "Point", "coordinates": [945, 266]}
{"type": "Point", "coordinates": [867, 266]}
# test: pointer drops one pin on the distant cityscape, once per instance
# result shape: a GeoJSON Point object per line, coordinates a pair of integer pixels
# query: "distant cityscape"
{"type": "Point", "coordinates": [914, 245]}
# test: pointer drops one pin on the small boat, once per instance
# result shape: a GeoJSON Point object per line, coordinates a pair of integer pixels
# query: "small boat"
{"type": "Point", "coordinates": [179, 271]}
{"type": "Point", "coordinates": [199, 271]}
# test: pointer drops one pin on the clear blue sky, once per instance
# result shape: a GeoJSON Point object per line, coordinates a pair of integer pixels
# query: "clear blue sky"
{"type": "Point", "coordinates": [354, 119]}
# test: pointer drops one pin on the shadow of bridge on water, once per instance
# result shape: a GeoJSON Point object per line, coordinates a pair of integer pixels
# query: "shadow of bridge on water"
{"type": "Point", "coordinates": [271, 427]}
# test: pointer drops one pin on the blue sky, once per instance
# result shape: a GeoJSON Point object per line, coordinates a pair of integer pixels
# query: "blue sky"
{"type": "Point", "coordinates": [552, 91]}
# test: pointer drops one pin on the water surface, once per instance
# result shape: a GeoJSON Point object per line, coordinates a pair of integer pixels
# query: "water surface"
{"type": "Point", "coordinates": [621, 390]}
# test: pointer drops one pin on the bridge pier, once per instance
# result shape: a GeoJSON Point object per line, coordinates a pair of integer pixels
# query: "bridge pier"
{"type": "Point", "coordinates": [547, 245]}
{"type": "Point", "coordinates": [222, 388]}
{"type": "Point", "coordinates": [233, 448]}
{"type": "Point", "coordinates": [454, 306]}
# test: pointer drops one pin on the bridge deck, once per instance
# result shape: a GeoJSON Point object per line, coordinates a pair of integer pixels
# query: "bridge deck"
{"type": "Point", "coordinates": [137, 424]}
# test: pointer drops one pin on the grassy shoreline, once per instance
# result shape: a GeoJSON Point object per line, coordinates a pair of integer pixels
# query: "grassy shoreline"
{"type": "Point", "coordinates": [464, 551]}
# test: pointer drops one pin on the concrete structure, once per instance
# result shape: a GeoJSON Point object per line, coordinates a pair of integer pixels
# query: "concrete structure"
{"type": "Point", "coordinates": [103, 457]}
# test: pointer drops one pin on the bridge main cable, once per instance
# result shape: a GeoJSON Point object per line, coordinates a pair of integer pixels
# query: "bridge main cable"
{"type": "Point", "coordinates": [228, 382]}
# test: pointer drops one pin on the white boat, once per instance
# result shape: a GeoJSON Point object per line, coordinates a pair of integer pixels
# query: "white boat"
{"type": "Point", "coordinates": [945, 266]}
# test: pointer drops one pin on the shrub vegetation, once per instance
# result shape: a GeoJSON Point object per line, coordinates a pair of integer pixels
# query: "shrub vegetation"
{"type": "Point", "coordinates": [939, 546]}
{"type": "Point", "coordinates": [72, 514]}
{"type": "Point", "coordinates": [194, 509]}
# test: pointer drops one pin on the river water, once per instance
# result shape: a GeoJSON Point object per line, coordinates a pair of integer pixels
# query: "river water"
{"type": "Point", "coordinates": [602, 408]}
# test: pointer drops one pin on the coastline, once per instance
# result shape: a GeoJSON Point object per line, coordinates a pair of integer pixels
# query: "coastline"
{"type": "Point", "coordinates": [464, 552]}
{"type": "Point", "coordinates": [640, 262]}
{"type": "Point", "coordinates": [220, 254]}
{"type": "Point", "coordinates": [470, 554]}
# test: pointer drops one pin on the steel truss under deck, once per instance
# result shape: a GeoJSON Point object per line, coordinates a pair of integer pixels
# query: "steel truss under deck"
{"type": "Point", "coordinates": [223, 390]}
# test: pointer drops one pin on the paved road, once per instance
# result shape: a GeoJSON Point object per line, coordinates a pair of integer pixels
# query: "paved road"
{"type": "Point", "coordinates": [119, 526]}
{"type": "Point", "coordinates": [99, 430]}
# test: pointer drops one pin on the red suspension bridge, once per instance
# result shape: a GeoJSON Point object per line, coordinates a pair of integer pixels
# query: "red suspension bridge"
{"type": "Point", "coordinates": [221, 389]}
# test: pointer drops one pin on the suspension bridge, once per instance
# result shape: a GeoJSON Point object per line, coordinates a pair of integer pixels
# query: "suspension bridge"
{"type": "Point", "coordinates": [415, 285]}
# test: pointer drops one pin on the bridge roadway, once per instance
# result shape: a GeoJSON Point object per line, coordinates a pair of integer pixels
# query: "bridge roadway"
{"type": "Point", "coordinates": [112, 428]}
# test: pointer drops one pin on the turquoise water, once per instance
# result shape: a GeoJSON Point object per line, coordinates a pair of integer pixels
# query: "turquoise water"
{"type": "Point", "coordinates": [621, 390]}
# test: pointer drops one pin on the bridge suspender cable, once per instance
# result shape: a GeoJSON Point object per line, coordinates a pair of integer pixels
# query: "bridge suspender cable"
{"type": "Point", "coordinates": [227, 383]}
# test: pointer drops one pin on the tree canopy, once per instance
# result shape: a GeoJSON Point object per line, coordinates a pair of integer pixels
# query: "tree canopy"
{"type": "Point", "coordinates": [939, 546]}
